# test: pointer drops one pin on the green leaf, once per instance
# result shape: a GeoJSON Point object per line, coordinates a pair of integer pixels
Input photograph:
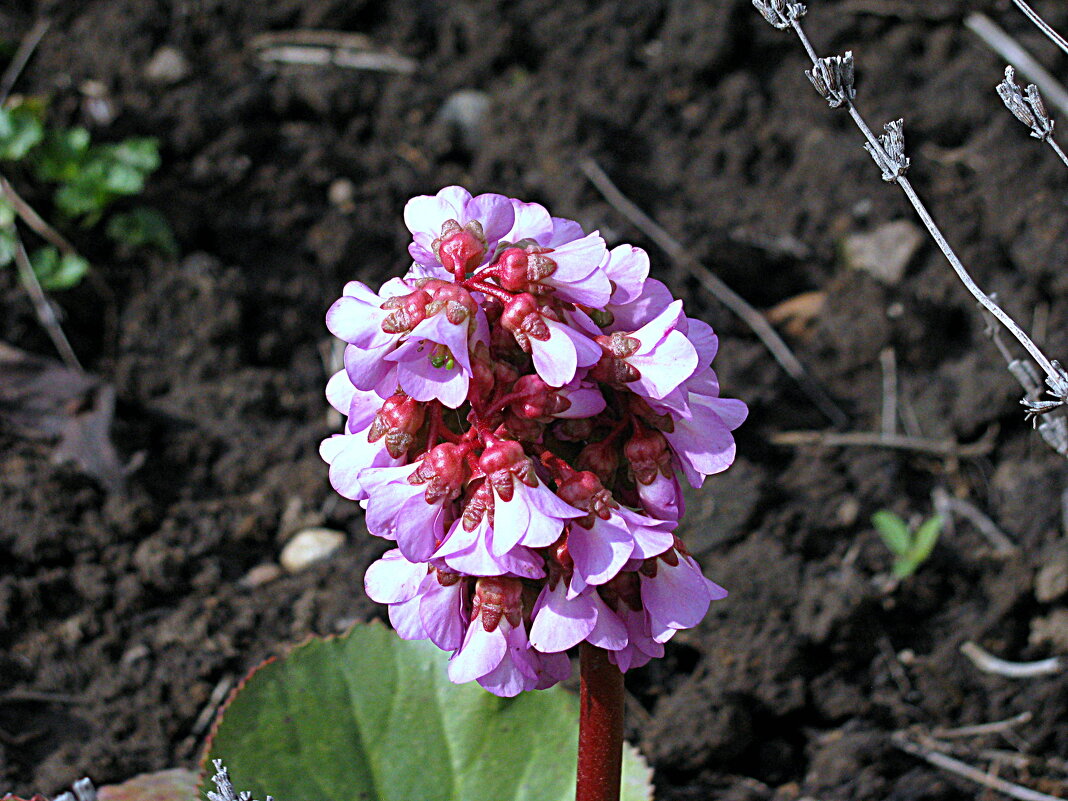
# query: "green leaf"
{"type": "Point", "coordinates": [923, 542]}
{"type": "Point", "coordinates": [372, 717]}
{"type": "Point", "coordinates": [143, 227]}
{"type": "Point", "coordinates": [55, 271]}
{"type": "Point", "coordinates": [82, 197]}
{"type": "Point", "coordinates": [140, 154]}
{"type": "Point", "coordinates": [893, 530]}
{"type": "Point", "coordinates": [20, 130]}
{"type": "Point", "coordinates": [62, 155]}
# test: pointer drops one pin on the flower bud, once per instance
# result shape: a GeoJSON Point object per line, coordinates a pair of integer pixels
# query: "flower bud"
{"type": "Point", "coordinates": [600, 458]}
{"type": "Point", "coordinates": [497, 597]}
{"type": "Point", "coordinates": [537, 400]}
{"type": "Point", "coordinates": [398, 421]}
{"type": "Point", "coordinates": [584, 490]}
{"type": "Point", "coordinates": [512, 269]}
{"type": "Point", "coordinates": [647, 454]}
{"type": "Point", "coordinates": [522, 317]}
{"type": "Point", "coordinates": [612, 369]}
{"type": "Point", "coordinates": [405, 312]}
{"type": "Point", "coordinates": [503, 459]}
{"type": "Point", "coordinates": [443, 470]}
{"type": "Point", "coordinates": [460, 250]}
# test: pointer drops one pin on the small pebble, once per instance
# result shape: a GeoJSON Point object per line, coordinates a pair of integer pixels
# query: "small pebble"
{"type": "Point", "coordinates": [308, 547]}
{"type": "Point", "coordinates": [885, 252]}
{"type": "Point", "coordinates": [341, 194]}
{"type": "Point", "coordinates": [466, 110]}
{"type": "Point", "coordinates": [1052, 579]}
{"type": "Point", "coordinates": [167, 66]}
{"type": "Point", "coordinates": [260, 575]}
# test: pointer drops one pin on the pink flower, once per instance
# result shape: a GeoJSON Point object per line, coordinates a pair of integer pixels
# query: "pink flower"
{"type": "Point", "coordinates": [677, 595]}
{"type": "Point", "coordinates": [561, 622]}
{"type": "Point", "coordinates": [427, 215]}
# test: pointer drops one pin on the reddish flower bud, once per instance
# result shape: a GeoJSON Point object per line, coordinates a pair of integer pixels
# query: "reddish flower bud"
{"type": "Point", "coordinates": [443, 471]}
{"type": "Point", "coordinates": [584, 490]}
{"type": "Point", "coordinates": [405, 312]}
{"type": "Point", "coordinates": [647, 454]}
{"type": "Point", "coordinates": [537, 400]}
{"type": "Point", "coordinates": [398, 421]}
{"type": "Point", "coordinates": [497, 597]}
{"type": "Point", "coordinates": [612, 369]}
{"type": "Point", "coordinates": [522, 428]}
{"type": "Point", "coordinates": [522, 317]}
{"type": "Point", "coordinates": [600, 458]}
{"type": "Point", "coordinates": [512, 269]}
{"type": "Point", "coordinates": [460, 250]}
{"type": "Point", "coordinates": [503, 459]}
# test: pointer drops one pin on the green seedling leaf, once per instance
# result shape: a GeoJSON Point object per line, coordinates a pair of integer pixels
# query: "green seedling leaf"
{"type": "Point", "coordinates": [55, 271]}
{"type": "Point", "coordinates": [62, 155]}
{"type": "Point", "coordinates": [894, 531]}
{"type": "Point", "coordinates": [140, 154]}
{"type": "Point", "coordinates": [20, 130]}
{"type": "Point", "coordinates": [143, 228]}
{"type": "Point", "coordinates": [372, 717]}
{"type": "Point", "coordinates": [923, 541]}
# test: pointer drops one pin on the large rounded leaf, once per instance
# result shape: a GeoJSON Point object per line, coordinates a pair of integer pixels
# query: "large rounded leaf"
{"type": "Point", "coordinates": [370, 717]}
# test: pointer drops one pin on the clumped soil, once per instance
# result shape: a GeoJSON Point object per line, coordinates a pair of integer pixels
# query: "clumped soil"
{"type": "Point", "coordinates": [120, 613]}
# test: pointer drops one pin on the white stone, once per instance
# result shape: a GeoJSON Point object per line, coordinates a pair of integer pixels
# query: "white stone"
{"type": "Point", "coordinates": [884, 252]}
{"type": "Point", "coordinates": [310, 546]}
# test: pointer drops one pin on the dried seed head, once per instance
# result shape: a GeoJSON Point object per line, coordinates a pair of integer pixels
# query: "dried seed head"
{"type": "Point", "coordinates": [1027, 108]}
{"type": "Point", "coordinates": [833, 79]}
{"type": "Point", "coordinates": [780, 13]}
{"type": "Point", "coordinates": [890, 156]}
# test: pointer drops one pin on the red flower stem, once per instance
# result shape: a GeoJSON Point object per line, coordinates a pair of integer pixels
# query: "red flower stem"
{"type": "Point", "coordinates": [600, 750]}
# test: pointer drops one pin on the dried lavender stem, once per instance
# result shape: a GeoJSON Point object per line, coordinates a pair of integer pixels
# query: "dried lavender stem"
{"type": "Point", "coordinates": [1043, 26]}
{"type": "Point", "coordinates": [933, 229]}
{"type": "Point", "coordinates": [1058, 151]}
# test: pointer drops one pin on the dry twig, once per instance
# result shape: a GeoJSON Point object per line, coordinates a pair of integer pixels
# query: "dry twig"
{"type": "Point", "coordinates": [833, 79]}
{"type": "Point", "coordinates": [981, 729]}
{"type": "Point", "coordinates": [718, 289]}
{"type": "Point", "coordinates": [43, 307]}
{"type": "Point", "coordinates": [1043, 26]}
{"type": "Point", "coordinates": [21, 58]}
{"type": "Point", "coordinates": [329, 48]}
{"type": "Point", "coordinates": [988, 663]}
{"type": "Point", "coordinates": [949, 506]}
{"type": "Point", "coordinates": [966, 771]}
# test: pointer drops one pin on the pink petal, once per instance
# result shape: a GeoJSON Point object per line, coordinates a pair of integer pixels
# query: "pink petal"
{"type": "Point", "coordinates": [481, 652]}
{"type": "Point", "coordinates": [532, 221]}
{"type": "Point", "coordinates": [405, 619]}
{"type": "Point", "coordinates": [677, 598]}
{"type": "Point", "coordinates": [601, 551]}
{"type": "Point", "coordinates": [665, 366]}
{"type": "Point", "coordinates": [555, 359]}
{"type": "Point", "coordinates": [627, 267]}
{"type": "Point", "coordinates": [441, 613]}
{"type": "Point", "coordinates": [610, 633]}
{"type": "Point", "coordinates": [393, 579]}
{"type": "Point", "coordinates": [559, 623]}
{"type": "Point", "coordinates": [494, 212]}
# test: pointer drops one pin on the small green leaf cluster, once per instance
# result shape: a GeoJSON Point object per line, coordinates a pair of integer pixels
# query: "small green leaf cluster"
{"type": "Point", "coordinates": [910, 547]}
{"type": "Point", "coordinates": [88, 178]}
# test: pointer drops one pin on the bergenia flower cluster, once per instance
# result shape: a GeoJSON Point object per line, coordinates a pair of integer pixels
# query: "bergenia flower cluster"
{"type": "Point", "coordinates": [520, 407]}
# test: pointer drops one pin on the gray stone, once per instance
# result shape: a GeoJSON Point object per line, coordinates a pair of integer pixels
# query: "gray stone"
{"type": "Point", "coordinates": [885, 252]}
{"type": "Point", "coordinates": [167, 66]}
{"type": "Point", "coordinates": [310, 546]}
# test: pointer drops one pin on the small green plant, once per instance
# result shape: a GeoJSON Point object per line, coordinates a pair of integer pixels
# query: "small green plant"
{"type": "Point", "coordinates": [88, 178]}
{"type": "Point", "coordinates": [910, 547]}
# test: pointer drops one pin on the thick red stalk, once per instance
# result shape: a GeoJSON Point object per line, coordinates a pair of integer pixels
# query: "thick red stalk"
{"type": "Point", "coordinates": [600, 750]}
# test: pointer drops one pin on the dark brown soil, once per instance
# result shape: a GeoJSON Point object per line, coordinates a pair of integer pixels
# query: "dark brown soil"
{"type": "Point", "coordinates": [129, 608]}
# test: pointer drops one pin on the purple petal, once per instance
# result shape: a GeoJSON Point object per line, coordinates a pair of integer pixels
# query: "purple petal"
{"type": "Point", "coordinates": [555, 359]}
{"type": "Point", "coordinates": [586, 401]}
{"type": "Point", "coordinates": [339, 391]}
{"type": "Point", "coordinates": [358, 323]}
{"type": "Point", "coordinates": [532, 221]}
{"type": "Point", "coordinates": [441, 613]}
{"type": "Point", "coordinates": [677, 598]}
{"type": "Point", "coordinates": [549, 503]}
{"type": "Point", "coordinates": [405, 619]}
{"type": "Point", "coordinates": [366, 368]}
{"type": "Point", "coordinates": [705, 342]}
{"type": "Point", "coordinates": [494, 212]}
{"type": "Point", "coordinates": [655, 297]}
{"type": "Point", "coordinates": [421, 527]}
{"type": "Point", "coordinates": [601, 551]}
{"type": "Point", "coordinates": [564, 231]}
{"type": "Point", "coordinates": [651, 537]}
{"type": "Point", "coordinates": [347, 455]}
{"type": "Point", "coordinates": [662, 498]}
{"type": "Point", "coordinates": [481, 652]}
{"type": "Point", "coordinates": [656, 329]}
{"type": "Point", "coordinates": [393, 579]}
{"type": "Point", "coordinates": [510, 520]}
{"type": "Point", "coordinates": [610, 633]}
{"type": "Point", "coordinates": [627, 267]}
{"type": "Point", "coordinates": [437, 328]}
{"type": "Point", "coordinates": [559, 623]}
{"type": "Point", "coordinates": [664, 366]}
{"type": "Point", "coordinates": [552, 669]}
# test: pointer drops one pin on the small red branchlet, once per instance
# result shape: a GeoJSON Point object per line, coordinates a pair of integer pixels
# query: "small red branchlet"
{"type": "Point", "coordinates": [399, 419]}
